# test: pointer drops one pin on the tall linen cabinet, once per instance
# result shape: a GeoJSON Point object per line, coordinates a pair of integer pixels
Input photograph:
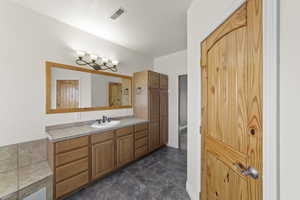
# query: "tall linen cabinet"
{"type": "Point", "coordinates": [150, 100]}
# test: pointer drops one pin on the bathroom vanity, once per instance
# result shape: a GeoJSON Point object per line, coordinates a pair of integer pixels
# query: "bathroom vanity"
{"type": "Point", "coordinates": [83, 152]}
{"type": "Point", "coordinates": [80, 154]}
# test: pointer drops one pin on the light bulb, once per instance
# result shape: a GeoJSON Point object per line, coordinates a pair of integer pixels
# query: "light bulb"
{"type": "Point", "coordinates": [93, 57]}
{"type": "Point", "coordinates": [105, 60]}
{"type": "Point", "coordinates": [80, 54]}
{"type": "Point", "coordinates": [115, 62]}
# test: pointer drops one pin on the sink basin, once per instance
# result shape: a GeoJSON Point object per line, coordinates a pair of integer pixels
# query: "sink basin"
{"type": "Point", "coordinates": [105, 125]}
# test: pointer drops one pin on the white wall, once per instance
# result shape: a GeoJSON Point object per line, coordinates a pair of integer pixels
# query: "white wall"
{"type": "Point", "coordinates": [28, 40]}
{"type": "Point", "coordinates": [202, 18]}
{"type": "Point", "coordinates": [173, 65]}
{"type": "Point", "coordinates": [289, 99]}
{"type": "Point", "coordinates": [100, 89]}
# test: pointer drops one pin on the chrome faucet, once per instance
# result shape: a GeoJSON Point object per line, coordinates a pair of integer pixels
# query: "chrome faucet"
{"type": "Point", "coordinates": [104, 119]}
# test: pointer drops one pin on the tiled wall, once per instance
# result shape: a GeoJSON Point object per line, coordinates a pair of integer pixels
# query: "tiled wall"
{"type": "Point", "coordinates": [21, 164]}
{"type": "Point", "coordinates": [22, 155]}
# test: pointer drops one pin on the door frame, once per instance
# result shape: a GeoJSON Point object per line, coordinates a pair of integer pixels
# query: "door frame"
{"type": "Point", "coordinates": [178, 97]}
{"type": "Point", "coordinates": [271, 147]}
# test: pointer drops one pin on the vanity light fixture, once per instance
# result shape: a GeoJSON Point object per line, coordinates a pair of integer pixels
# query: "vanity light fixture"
{"type": "Point", "coordinates": [96, 62]}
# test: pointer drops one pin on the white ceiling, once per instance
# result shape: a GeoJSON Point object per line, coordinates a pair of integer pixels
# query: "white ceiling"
{"type": "Point", "coordinates": [152, 27]}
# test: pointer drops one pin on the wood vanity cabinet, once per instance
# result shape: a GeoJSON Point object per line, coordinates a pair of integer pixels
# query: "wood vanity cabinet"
{"type": "Point", "coordinates": [154, 80]}
{"type": "Point", "coordinates": [154, 136]}
{"type": "Point", "coordinates": [164, 112]}
{"type": "Point", "coordinates": [103, 154]}
{"type": "Point", "coordinates": [151, 103]}
{"type": "Point", "coordinates": [69, 161]}
{"type": "Point", "coordinates": [163, 81]}
{"type": "Point", "coordinates": [125, 150]}
{"type": "Point", "coordinates": [80, 161]}
{"type": "Point", "coordinates": [141, 137]}
{"type": "Point", "coordinates": [125, 146]}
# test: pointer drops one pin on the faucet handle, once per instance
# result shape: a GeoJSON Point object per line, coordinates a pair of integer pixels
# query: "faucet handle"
{"type": "Point", "coordinates": [104, 118]}
{"type": "Point", "coordinates": [99, 121]}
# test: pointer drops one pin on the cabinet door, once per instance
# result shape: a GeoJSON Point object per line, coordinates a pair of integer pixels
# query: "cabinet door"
{"type": "Point", "coordinates": [154, 104]}
{"type": "Point", "coordinates": [164, 130]}
{"type": "Point", "coordinates": [125, 150]}
{"type": "Point", "coordinates": [164, 103]}
{"type": "Point", "coordinates": [163, 81]}
{"type": "Point", "coordinates": [164, 119]}
{"type": "Point", "coordinates": [154, 138]}
{"type": "Point", "coordinates": [154, 79]}
{"type": "Point", "coordinates": [103, 158]}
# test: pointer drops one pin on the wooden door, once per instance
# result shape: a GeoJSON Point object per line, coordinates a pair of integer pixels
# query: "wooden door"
{"type": "Point", "coordinates": [125, 150]}
{"type": "Point", "coordinates": [153, 80]}
{"type": "Point", "coordinates": [163, 81]}
{"type": "Point", "coordinates": [164, 119]}
{"type": "Point", "coordinates": [67, 94]}
{"type": "Point", "coordinates": [232, 107]}
{"type": "Point", "coordinates": [103, 158]}
{"type": "Point", "coordinates": [115, 94]}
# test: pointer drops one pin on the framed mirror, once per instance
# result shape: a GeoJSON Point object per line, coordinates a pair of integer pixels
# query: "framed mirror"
{"type": "Point", "coordinates": [76, 89]}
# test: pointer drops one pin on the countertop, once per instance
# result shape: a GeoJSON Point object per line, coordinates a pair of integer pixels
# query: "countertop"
{"type": "Point", "coordinates": [68, 131]}
{"type": "Point", "coordinates": [18, 179]}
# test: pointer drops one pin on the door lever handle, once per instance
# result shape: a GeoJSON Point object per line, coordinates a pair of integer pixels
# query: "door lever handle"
{"type": "Point", "coordinates": [250, 171]}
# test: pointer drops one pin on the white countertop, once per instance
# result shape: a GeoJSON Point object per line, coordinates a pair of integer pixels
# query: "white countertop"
{"type": "Point", "coordinates": [63, 133]}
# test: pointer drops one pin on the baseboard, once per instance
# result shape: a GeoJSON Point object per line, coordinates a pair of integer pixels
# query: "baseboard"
{"type": "Point", "coordinates": [193, 193]}
{"type": "Point", "coordinates": [173, 146]}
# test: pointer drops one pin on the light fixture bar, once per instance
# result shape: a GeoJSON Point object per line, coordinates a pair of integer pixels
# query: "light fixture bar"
{"type": "Point", "coordinates": [91, 60]}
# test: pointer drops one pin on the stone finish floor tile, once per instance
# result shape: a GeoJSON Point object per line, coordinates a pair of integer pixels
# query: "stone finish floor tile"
{"type": "Point", "coordinates": [159, 176]}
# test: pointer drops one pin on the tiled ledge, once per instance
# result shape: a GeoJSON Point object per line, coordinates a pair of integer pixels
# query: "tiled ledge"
{"type": "Point", "coordinates": [24, 170]}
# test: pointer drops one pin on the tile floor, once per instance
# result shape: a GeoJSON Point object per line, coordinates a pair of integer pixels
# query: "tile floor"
{"type": "Point", "coordinates": [159, 176]}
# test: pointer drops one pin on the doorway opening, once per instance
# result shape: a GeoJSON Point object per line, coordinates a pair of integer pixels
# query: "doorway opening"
{"type": "Point", "coordinates": [182, 114]}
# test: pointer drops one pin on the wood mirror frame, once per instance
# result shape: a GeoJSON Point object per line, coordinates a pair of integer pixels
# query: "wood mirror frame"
{"type": "Point", "coordinates": [49, 110]}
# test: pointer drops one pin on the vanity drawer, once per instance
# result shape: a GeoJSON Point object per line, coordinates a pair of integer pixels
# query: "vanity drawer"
{"type": "Point", "coordinates": [71, 144]}
{"type": "Point", "coordinates": [140, 127]}
{"type": "Point", "coordinates": [141, 151]}
{"type": "Point", "coordinates": [71, 184]}
{"type": "Point", "coordinates": [124, 131]}
{"type": "Point", "coordinates": [101, 137]}
{"type": "Point", "coordinates": [141, 134]}
{"type": "Point", "coordinates": [141, 142]}
{"type": "Point", "coordinates": [71, 169]}
{"type": "Point", "coordinates": [70, 156]}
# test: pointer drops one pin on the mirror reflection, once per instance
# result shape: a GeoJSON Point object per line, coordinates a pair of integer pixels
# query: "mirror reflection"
{"type": "Point", "coordinates": [75, 89]}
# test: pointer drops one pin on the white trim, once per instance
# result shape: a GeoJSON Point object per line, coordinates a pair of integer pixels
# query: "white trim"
{"type": "Point", "coordinates": [193, 193]}
{"type": "Point", "coordinates": [271, 187]}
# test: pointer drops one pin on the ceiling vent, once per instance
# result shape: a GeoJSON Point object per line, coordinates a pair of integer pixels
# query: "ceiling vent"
{"type": "Point", "coordinates": [117, 14]}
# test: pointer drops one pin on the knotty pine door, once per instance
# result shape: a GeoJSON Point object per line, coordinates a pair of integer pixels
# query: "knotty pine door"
{"type": "Point", "coordinates": [231, 67]}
